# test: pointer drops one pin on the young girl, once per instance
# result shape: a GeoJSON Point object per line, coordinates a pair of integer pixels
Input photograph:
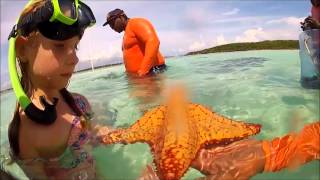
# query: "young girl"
{"type": "Point", "coordinates": [46, 53]}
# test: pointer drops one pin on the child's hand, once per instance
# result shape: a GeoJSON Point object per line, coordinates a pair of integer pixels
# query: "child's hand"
{"type": "Point", "coordinates": [98, 133]}
{"type": "Point", "coordinates": [103, 130]}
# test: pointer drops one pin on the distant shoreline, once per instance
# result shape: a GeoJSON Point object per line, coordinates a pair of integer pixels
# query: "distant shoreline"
{"type": "Point", "coordinates": [250, 46]}
{"type": "Point", "coordinates": [98, 67]}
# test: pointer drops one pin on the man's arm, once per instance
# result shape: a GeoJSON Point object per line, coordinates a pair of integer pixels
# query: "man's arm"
{"type": "Point", "coordinates": [239, 160]}
{"type": "Point", "coordinates": [246, 158]}
{"type": "Point", "coordinates": [293, 150]}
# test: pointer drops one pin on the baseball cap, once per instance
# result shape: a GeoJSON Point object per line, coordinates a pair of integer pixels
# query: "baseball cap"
{"type": "Point", "coordinates": [112, 14]}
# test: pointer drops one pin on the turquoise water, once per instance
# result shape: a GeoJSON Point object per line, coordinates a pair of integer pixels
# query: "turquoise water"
{"type": "Point", "coordinates": [254, 86]}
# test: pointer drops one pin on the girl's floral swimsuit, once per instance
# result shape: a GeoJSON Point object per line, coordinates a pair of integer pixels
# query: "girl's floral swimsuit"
{"type": "Point", "coordinates": [75, 163]}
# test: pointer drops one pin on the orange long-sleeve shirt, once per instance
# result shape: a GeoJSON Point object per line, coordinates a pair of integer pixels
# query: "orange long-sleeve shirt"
{"type": "Point", "coordinates": [294, 149]}
{"type": "Point", "coordinates": [141, 46]}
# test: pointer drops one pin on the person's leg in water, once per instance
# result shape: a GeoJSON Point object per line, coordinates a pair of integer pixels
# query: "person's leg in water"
{"type": "Point", "coordinates": [147, 89]}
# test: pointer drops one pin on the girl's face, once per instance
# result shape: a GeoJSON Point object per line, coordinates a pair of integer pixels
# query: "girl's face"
{"type": "Point", "coordinates": [50, 62]}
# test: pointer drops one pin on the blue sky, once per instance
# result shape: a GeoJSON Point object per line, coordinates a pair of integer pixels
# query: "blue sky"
{"type": "Point", "coordinates": [182, 26]}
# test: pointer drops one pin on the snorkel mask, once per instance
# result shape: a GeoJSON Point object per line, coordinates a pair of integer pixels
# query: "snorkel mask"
{"type": "Point", "coordinates": [56, 20]}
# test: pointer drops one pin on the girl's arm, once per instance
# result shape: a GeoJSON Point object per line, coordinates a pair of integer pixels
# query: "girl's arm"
{"type": "Point", "coordinates": [97, 131]}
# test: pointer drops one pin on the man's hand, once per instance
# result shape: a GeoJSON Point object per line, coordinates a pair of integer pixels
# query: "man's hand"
{"type": "Point", "coordinates": [239, 160]}
{"type": "Point", "coordinates": [314, 24]}
{"type": "Point", "coordinates": [310, 23]}
{"type": "Point", "coordinates": [142, 73]}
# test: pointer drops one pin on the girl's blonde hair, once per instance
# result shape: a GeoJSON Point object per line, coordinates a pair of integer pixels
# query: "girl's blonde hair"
{"type": "Point", "coordinates": [13, 132]}
{"type": "Point", "coordinates": [35, 5]}
{"type": "Point", "coordinates": [14, 126]}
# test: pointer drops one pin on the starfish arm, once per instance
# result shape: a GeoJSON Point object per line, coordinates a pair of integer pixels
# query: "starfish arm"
{"type": "Point", "coordinates": [115, 136]}
{"type": "Point", "coordinates": [215, 129]}
{"type": "Point", "coordinates": [175, 160]}
{"type": "Point", "coordinates": [144, 130]}
{"type": "Point", "coordinates": [177, 149]}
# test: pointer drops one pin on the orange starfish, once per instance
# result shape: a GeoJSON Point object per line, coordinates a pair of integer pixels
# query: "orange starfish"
{"type": "Point", "coordinates": [177, 131]}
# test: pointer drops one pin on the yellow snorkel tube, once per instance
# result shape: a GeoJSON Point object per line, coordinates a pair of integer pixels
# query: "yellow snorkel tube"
{"type": "Point", "coordinates": [46, 116]}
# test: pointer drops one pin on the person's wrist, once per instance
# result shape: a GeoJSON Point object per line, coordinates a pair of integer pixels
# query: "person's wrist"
{"type": "Point", "coordinates": [266, 149]}
{"type": "Point", "coordinates": [142, 72]}
{"type": "Point", "coordinates": [261, 154]}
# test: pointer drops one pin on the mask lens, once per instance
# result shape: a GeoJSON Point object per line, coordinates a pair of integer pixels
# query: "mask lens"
{"type": "Point", "coordinates": [86, 17]}
{"type": "Point", "coordinates": [58, 31]}
{"type": "Point", "coordinates": [68, 8]}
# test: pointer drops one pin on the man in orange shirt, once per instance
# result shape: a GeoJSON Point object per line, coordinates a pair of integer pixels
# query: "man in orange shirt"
{"type": "Point", "coordinates": [140, 44]}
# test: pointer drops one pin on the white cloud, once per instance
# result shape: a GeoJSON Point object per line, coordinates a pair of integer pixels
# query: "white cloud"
{"type": "Point", "coordinates": [232, 12]}
{"type": "Point", "coordinates": [294, 21]}
{"type": "Point", "coordinates": [221, 40]}
{"type": "Point", "coordinates": [252, 35]}
{"type": "Point", "coordinates": [197, 45]}
{"type": "Point", "coordinates": [261, 34]}
{"type": "Point", "coordinates": [100, 43]}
